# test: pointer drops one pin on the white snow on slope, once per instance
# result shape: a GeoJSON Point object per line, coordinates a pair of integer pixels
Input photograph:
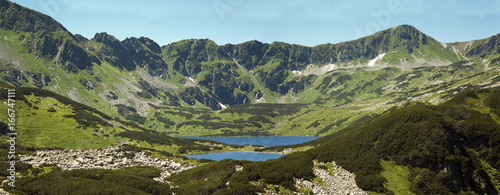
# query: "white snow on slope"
{"type": "Point", "coordinates": [379, 57]}
{"type": "Point", "coordinates": [328, 67]}
{"type": "Point", "coordinates": [222, 105]}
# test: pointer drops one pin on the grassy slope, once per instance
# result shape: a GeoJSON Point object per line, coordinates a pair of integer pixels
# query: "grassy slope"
{"type": "Point", "coordinates": [47, 120]}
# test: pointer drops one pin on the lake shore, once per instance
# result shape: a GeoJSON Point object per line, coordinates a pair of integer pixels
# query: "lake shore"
{"type": "Point", "coordinates": [215, 152]}
{"type": "Point", "coordinates": [266, 141]}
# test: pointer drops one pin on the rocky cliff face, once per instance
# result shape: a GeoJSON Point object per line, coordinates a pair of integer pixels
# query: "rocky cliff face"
{"type": "Point", "coordinates": [489, 46]}
{"type": "Point", "coordinates": [46, 37]}
{"type": "Point", "coordinates": [273, 63]}
{"type": "Point", "coordinates": [131, 53]}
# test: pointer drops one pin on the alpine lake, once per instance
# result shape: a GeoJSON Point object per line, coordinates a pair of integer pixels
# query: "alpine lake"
{"type": "Point", "coordinates": [267, 141]}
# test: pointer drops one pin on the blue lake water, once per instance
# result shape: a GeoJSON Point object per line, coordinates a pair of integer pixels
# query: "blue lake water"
{"type": "Point", "coordinates": [267, 141]}
{"type": "Point", "coordinates": [253, 156]}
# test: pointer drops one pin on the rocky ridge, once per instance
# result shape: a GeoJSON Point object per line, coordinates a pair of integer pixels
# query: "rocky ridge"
{"type": "Point", "coordinates": [108, 158]}
{"type": "Point", "coordinates": [341, 182]}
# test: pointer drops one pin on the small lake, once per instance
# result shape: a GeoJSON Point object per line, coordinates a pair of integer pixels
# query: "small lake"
{"type": "Point", "coordinates": [267, 141]}
{"type": "Point", "coordinates": [252, 156]}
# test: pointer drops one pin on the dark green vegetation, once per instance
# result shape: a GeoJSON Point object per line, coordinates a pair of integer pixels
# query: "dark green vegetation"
{"type": "Point", "coordinates": [130, 180]}
{"type": "Point", "coordinates": [450, 148]}
{"type": "Point", "coordinates": [445, 146]}
{"type": "Point", "coordinates": [213, 177]}
{"type": "Point", "coordinates": [172, 88]}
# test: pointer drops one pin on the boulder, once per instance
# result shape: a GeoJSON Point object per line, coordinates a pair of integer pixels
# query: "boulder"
{"type": "Point", "coordinates": [108, 160]}
{"type": "Point", "coordinates": [98, 163]}
{"type": "Point", "coordinates": [79, 159]}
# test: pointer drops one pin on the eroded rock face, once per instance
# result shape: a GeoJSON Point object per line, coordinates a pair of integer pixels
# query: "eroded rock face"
{"type": "Point", "coordinates": [341, 182]}
{"type": "Point", "coordinates": [109, 158]}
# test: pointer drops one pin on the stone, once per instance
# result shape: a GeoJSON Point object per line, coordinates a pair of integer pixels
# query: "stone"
{"type": "Point", "coordinates": [175, 165]}
{"type": "Point", "coordinates": [4, 182]}
{"type": "Point", "coordinates": [108, 160]}
{"type": "Point", "coordinates": [98, 163]}
{"type": "Point", "coordinates": [79, 159]}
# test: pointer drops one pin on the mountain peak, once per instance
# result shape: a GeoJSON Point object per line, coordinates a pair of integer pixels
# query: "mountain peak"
{"type": "Point", "coordinates": [406, 27]}
{"type": "Point", "coordinates": [149, 43]}
{"type": "Point", "coordinates": [104, 37]}
{"type": "Point", "coordinates": [18, 18]}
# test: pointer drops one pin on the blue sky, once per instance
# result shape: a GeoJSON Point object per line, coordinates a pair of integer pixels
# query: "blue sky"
{"type": "Point", "coordinates": [304, 22]}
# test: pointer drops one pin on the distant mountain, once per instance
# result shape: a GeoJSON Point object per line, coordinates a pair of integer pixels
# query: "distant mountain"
{"type": "Point", "coordinates": [139, 78]}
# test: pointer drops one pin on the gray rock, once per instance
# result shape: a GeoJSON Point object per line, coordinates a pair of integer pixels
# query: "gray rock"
{"type": "Point", "coordinates": [79, 159]}
{"type": "Point", "coordinates": [108, 160]}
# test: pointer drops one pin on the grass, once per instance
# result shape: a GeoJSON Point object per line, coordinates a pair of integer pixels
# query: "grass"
{"type": "Point", "coordinates": [41, 128]}
{"type": "Point", "coordinates": [397, 177]}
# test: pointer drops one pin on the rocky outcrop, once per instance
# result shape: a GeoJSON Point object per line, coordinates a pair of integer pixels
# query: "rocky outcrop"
{"type": "Point", "coordinates": [20, 19]}
{"type": "Point", "coordinates": [72, 57]}
{"type": "Point", "coordinates": [146, 53]}
{"type": "Point", "coordinates": [489, 46]}
{"type": "Point", "coordinates": [131, 53]}
{"type": "Point", "coordinates": [341, 182]}
{"type": "Point", "coordinates": [114, 52]}
{"type": "Point", "coordinates": [109, 158]}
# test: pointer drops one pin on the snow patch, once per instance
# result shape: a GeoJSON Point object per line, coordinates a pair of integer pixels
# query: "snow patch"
{"type": "Point", "coordinates": [260, 100]}
{"type": "Point", "coordinates": [328, 67]}
{"type": "Point", "coordinates": [222, 105]}
{"type": "Point", "coordinates": [379, 57]}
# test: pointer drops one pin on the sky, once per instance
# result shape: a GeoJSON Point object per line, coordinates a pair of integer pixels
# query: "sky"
{"type": "Point", "coordinates": [304, 22]}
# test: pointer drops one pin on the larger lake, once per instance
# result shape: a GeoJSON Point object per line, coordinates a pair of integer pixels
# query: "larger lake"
{"type": "Point", "coordinates": [253, 156]}
{"type": "Point", "coordinates": [266, 141]}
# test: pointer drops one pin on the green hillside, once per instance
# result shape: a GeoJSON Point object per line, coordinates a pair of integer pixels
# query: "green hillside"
{"type": "Point", "coordinates": [48, 120]}
{"type": "Point", "coordinates": [425, 149]}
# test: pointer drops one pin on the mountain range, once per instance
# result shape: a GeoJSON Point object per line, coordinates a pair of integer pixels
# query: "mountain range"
{"type": "Point", "coordinates": [394, 100]}
{"type": "Point", "coordinates": [138, 80]}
